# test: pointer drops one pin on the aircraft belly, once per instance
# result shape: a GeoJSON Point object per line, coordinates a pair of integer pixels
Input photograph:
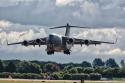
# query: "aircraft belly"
{"type": "Point", "coordinates": [58, 48]}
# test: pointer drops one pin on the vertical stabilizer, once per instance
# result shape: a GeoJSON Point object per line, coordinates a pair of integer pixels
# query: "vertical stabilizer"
{"type": "Point", "coordinates": [67, 33]}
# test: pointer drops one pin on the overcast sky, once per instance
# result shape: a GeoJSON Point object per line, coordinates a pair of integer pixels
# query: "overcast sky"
{"type": "Point", "coordinates": [29, 19]}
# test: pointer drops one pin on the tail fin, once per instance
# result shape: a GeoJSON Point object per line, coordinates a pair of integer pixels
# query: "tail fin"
{"type": "Point", "coordinates": [67, 33]}
{"type": "Point", "coordinates": [116, 40]}
{"type": "Point", "coordinates": [7, 41]}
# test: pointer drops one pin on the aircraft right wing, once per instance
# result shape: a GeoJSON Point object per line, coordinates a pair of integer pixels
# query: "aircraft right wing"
{"type": "Point", "coordinates": [40, 41]}
{"type": "Point", "coordinates": [90, 42]}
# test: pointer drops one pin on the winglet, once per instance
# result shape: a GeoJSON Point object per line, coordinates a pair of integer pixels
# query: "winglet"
{"type": "Point", "coordinates": [7, 42]}
{"type": "Point", "coordinates": [116, 40]}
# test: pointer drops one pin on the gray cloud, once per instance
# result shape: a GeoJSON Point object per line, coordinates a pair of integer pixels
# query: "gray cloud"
{"type": "Point", "coordinates": [97, 13]}
{"type": "Point", "coordinates": [28, 19]}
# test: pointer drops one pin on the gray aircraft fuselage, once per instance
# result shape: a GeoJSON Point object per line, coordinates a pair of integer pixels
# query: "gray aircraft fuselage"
{"type": "Point", "coordinates": [57, 43]}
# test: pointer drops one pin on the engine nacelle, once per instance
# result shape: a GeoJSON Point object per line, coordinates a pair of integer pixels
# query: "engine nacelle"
{"type": "Point", "coordinates": [25, 43]}
{"type": "Point", "coordinates": [70, 41]}
{"type": "Point", "coordinates": [38, 41]}
{"type": "Point", "coordinates": [87, 42]}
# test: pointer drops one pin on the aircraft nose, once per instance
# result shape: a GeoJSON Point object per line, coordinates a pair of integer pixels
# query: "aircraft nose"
{"type": "Point", "coordinates": [50, 39]}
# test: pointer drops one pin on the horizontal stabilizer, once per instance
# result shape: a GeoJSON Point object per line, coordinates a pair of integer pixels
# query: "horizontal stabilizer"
{"type": "Point", "coordinates": [79, 27]}
{"type": "Point", "coordinates": [57, 27]}
{"type": "Point", "coordinates": [68, 28]}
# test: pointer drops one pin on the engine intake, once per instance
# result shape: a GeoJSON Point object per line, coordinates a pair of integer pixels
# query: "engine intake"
{"type": "Point", "coordinates": [25, 43]}
{"type": "Point", "coordinates": [70, 41]}
{"type": "Point", "coordinates": [87, 42]}
{"type": "Point", "coordinates": [38, 41]}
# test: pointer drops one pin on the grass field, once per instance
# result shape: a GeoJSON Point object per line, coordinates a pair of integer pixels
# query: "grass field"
{"type": "Point", "coordinates": [53, 81]}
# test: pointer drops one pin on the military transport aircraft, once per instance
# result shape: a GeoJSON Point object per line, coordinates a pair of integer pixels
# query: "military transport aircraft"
{"type": "Point", "coordinates": [56, 43]}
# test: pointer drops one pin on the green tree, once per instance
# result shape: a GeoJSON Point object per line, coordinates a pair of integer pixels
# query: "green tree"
{"type": "Point", "coordinates": [35, 68]}
{"type": "Point", "coordinates": [28, 67]}
{"type": "Point", "coordinates": [122, 63]}
{"type": "Point", "coordinates": [73, 70]}
{"type": "Point", "coordinates": [108, 73]}
{"type": "Point", "coordinates": [51, 67]}
{"type": "Point", "coordinates": [122, 69]}
{"type": "Point", "coordinates": [1, 66]}
{"type": "Point", "coordinates": [95, 76]}
{"type": "Point", "coordinates": [57, 75]}
{"type": "Point", "coordinates": [86, 64]}
{"type": "Point", "coordinates": [79, 69]}
{"type": "Point", "coordinates": [11, 67]}
{"type": "Point", "coordinates": [97, 62]}
{"type": "Point", "coordinates": [67, 76]}
{"type": "Point", "coordinates": [99, 70]}
{"type": "Point", "coordinates": [111, 72]}
{"type": "Point", "coordinates": [67, 68]}
{"type": "Point", "coordinates": [122, 72]}
{"type": "Point", "coordinates": [88, 70]}
{"type": "Point", "coordinates": [111, 63]}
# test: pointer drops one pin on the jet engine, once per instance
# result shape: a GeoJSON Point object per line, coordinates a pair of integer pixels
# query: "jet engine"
{"type": "Point", "coordinates": [38, 41]}
{"type": "Point", "coordinates": [70, 41]}
{"type": "Point", "coordinates": [87, 42]}
{"type": "Point", "coordinates": [25, 43]}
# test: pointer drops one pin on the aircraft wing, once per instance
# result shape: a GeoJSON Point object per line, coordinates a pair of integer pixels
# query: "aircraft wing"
{"type": "Point", "coordinates": [91, 42]}
{"type": "Point", "coordinates": [40, 41]}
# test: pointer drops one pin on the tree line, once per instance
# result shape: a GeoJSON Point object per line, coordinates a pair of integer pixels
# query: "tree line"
{"type": "Point", "coordinates": [68, 71]}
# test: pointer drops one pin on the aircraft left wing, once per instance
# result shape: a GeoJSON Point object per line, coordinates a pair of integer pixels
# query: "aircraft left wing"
{"type": "Point", "coordinates": [90, 42]}
{"type": "Point", "coordinates": [40, 41]}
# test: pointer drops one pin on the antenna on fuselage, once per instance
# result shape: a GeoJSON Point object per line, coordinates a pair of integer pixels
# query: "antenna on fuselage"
{"type": "Point", "coordinates": [67, 26]}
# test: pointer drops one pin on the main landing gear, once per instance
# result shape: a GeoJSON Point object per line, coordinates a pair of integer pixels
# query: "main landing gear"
{"type": "Point", "coordinates": [50, 49]}
{"type": "Point", "coordinates": [67, 52]}
{"type": "Point", "coordinates": [50, 52]}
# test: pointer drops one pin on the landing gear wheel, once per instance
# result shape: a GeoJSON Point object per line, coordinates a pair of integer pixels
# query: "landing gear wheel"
{"type": "Point", "coordinates": [67, 52]}
{"type": "Point", "coordinates": [50, 52]}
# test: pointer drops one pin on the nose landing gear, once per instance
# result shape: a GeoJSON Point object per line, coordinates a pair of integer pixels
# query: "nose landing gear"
{"type": "Point", "coordinates": [50, 49]}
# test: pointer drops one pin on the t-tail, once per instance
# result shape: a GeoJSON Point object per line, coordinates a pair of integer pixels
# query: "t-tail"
{"type": "Point", "coordinates": [67, 30]}
{"type": "Point", "coordinates": [67, 26]}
